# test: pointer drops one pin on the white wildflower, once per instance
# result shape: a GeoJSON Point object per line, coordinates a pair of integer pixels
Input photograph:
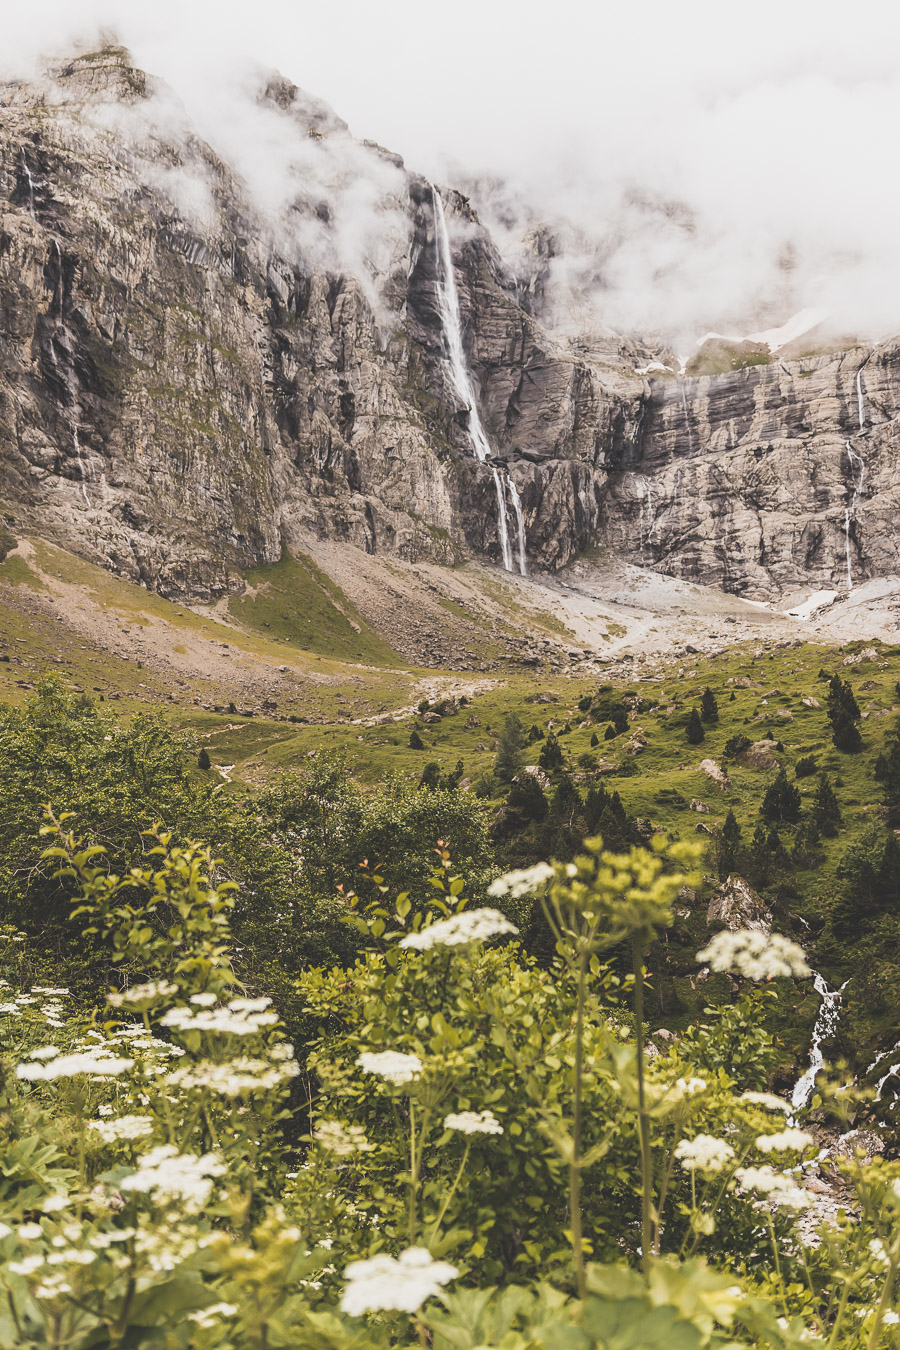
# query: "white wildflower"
{"type": "Point", "coordinates": [45, 989]}
{"type": "Point", "coordinates": [787, 1139]}
{"type": "Point", "coordinates": [391, 1065]}
{"type": "Point", "coordinates": [9, 1008]}
{"type": "Point", "coordinates": [472, 925]}
{"type": "Point", "coordinates": [105, 1110]}
{"type": "Point", "coordinates": [780, 1189]}
{"type": "Point", "coordinates": [54, 1203]}
{"type": "Point", "coordinates": [93, 1064]}
{"type": "Point", "coordinates": [521, 882]}
{"type": "Point", "coordinates": [704, 1153]}
{"type": "Point", "coordinates": [341, 1139]}
{"type": "Point", "coordinates": [206, 1317]}
{"type": "Point", "coordinates": [29, 1231]}
{"type": "Point", "coordinates": [53, 1286]}
{"type": "Point", "coordinates": [122, 1127]}
{"type": "Point", "coordinates": [206, 1000]}
{"type": "Point", "coordinates": [388, 1284]}
{"type": "Point", "coordinates": [768, 1100]}
{"type": "Point", "coordinates": [169, 1175]}
{"type": "Point", "coordinates": [142, 995]}
{"type": "Point", "coordinates": [473, 1122]}
{"type": "Point", "coordinates": [27, 1266]}
{"type": "Point", "coordinates": [891, 1318]}
{"type": "Point", "coordinates": [241, 1017]}
{"type": "Point", "coordinates": [757, 956]}
{"type": "Point", "coordinates": [44, 1052]}
{"type": "Point", "coordinates": [879, 1252]}
{"type": "Point", "coordinates": [235, 1077]}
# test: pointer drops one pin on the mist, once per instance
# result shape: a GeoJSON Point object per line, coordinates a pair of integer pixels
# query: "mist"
{"type": "Point", "coordinates": [701, 167]}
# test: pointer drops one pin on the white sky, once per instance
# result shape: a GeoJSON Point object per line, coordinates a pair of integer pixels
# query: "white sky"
{"type": "Point", "coordinates": [776, 122]}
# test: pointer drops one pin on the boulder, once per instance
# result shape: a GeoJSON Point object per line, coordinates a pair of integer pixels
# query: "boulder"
{"type": "Point", "coordinates": [697, 805]}
{"type": "Point", "coordinates": [736, 905]}
{"type": "Point", "coordinates": [760, 755]}
{"type": "Point", "coordinates": [712, 770]}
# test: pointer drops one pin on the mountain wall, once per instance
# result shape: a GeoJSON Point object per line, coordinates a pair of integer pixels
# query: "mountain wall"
{"type": "Point", "coordinates": [190, 381]}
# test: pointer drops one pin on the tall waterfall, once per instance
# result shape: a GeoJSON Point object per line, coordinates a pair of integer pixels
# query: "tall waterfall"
{"type": "Point", "coordinates": [857, 468]}
{"type": "Point", "coordinates": [826, 1025]}
{"type": "Point", "coordinates": [451, 325]}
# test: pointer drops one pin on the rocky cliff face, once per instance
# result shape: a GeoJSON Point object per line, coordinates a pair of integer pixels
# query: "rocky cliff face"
{"type": "Point", "coordinates": [181, 395]}
{"type": "Point", "coordinates": [188, 383]}
{"type": "Point", "coordinates": [766, 478]}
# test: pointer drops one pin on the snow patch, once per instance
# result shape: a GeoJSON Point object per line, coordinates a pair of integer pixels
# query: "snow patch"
{"type": "Point", "coordinates": [818, 600]}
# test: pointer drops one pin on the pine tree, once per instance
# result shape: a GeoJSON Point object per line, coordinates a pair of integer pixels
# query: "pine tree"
{"type": "Point", "coordinates": [595, 740]}
{"type": "Point", "coordinates": [781, 801]}
{"type": "Point", "coordinates": [709, 708]}
{"type": "Point", "coordinates": [845, 733]}
{"type": "Point", "coordinates": [511, 743]}
{"type": "Point", "coordinates": [695, 732]}
{"type": "Point", "coordinates": [729, 845]}
{"type": "Point", "coordinates": [203, 759]}
{"type": "Point", "coordinates": [431, 776]}
{"type": "Point", "coordinates": [415, 740]}
{"type": "Point", "coordinates": [887, 773]}
{"type": "Point", "coordinates": [526, 798]}
{"type": "Point", "coordinates": [840, 698]}
{"type": "Point", "coordinates": [825, 812]}
{"type": "Point", "coordinates": [551, 756]}
{"type": "Point", "coordinates": [610, 733]}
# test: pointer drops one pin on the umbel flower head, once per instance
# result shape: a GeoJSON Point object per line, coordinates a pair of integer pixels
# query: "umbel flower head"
{"type": "Point", "coordinates": [522, 882]}
{"type": "Point", "coordinates": [787, 1139]}
{"type": "Point", "coordinates": [473, 925]}
{"type": "Point", "coordinates": [473, 1122]}
{"type": "Point", "coordinates": [389, 1284]}
{"type": "Point", "coordinates": [704, 1153]}
{"type": "Point", "coordinates": [757, 956]}
{"type": "Point", "coordinates": [392, 1065]}
{"type": "Point", "coordinates": [167, 1174]}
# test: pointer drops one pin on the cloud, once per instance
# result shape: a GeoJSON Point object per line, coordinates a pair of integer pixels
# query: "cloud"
{"type": "Point", "coordinates": [703, 166]}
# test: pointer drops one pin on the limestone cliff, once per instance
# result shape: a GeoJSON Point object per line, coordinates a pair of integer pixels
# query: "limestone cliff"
{"type": "Point", "coordinates": [189, 383]}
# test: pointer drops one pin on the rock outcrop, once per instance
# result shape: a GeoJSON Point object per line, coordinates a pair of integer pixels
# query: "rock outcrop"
{"type": "Point", "coordinates": [736, 905]}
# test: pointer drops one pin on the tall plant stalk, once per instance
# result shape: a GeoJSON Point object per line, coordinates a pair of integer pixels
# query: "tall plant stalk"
{"type": "Point", "coordinates": [638, 946]}
{"type": "Point", "coordinates": [575, 1224]}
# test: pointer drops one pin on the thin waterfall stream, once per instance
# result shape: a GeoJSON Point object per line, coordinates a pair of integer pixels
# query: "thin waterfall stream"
{"type": "Point", "coordinates": [451, 325]}
{"type": "Point", "coordinates": [857, 468]}
{"type": "Point", "coordinates": [826, 1024]}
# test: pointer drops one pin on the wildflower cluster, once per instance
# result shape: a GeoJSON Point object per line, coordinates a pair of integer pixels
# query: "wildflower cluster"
{"type": "Point", "coordinates": [755, 955]}
{"type": "Point", "coordinates": [474, 925]}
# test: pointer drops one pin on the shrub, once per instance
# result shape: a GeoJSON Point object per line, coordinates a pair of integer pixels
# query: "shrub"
{"type": "Point", "coordinates": [203, 760]}
{"type": "Point", "coordinates": [415, 740]}
{"type": "Point", "coordinates": [806, 766]}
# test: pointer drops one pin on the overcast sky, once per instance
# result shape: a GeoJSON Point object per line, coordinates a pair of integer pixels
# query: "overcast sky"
{"type": "Point", "coordinates": [774, 123]}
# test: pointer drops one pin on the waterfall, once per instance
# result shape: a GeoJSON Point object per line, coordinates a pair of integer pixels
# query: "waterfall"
{"type": "Point", "coordinates": [825, 1027]}
{"type": "Point", "coordinates": [520, 524]}
{"type": "Point", "coordinates": [687, 417]}
{"type": "Point", "coordinates": [856, 462]}
{"type": "Point", "coordinates": [645, 496]}
{"type": "Point", "coordinates": [451, 326]}
{"type": "Point", "coordinates": [893, 1070]}
{"type": "Point", "coordinates": [30, 181]}
{"type": "Point", "coordinates": [61, 333]}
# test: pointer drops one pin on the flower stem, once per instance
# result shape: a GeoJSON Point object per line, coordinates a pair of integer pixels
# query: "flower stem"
{"type": "Point", "coordinates": [452, 1191]}
{"type": "Point", "coordinates": [643, 1117]}
{"type": "Point", "coordinates": [575, 1163]}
